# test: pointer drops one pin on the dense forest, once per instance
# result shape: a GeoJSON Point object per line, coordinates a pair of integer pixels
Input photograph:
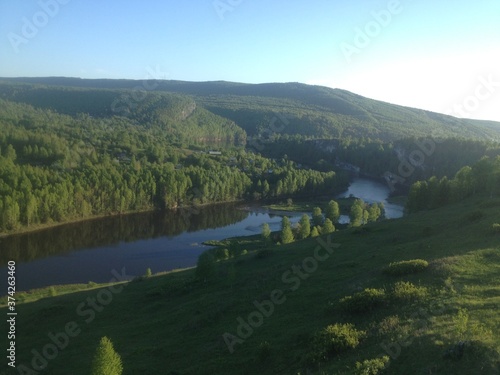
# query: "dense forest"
{"type": "Point", "coordinates": [483, 178]}
{"type": "Point", "coordinates": [310, 111]}
{"type": "Point", "coordinates": [106, 147]}
{"type": "Point", "coordinates": [410, 159]}
{"type": "Point", "coordinates": [57, 167]}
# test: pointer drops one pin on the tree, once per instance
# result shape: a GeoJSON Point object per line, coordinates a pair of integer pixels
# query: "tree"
{"type": "Point", "coordinates": [304, 227]}
{"type": "Point", "coordinates": [317, 216]}
{"type": "Point", "coordinates": [314, 232]}
{"type": "Point", "coordinates": [10, 153]}
{"type": "Point", "coordinates": [356, 213]}
{"type": "Point", "coordinates": [286, 231]}
{"type": "Point", "coordinates": [374, 212]}
{"type": "Point", "coordinates": [328, 227]}
{"type": "Point", "coordinates": [106, 360]}
{"type": "Point", "coordinates": [333, 211]}
{"type": "Point", "coordinates": [266, 232]}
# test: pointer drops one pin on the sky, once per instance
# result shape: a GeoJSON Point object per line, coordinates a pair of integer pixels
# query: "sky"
{"type": "Point", "coordinates": [442, 56]}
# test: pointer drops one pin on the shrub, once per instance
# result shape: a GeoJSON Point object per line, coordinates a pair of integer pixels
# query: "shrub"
{"type": "Point", "coordinates": [148, 272]}
{"type": "Point", "coordinates": [496, 228]}
{"type": "Point", "coordinates": [389, 325]}
{"type": "Point", "coordinates": [406, 267]}
{"type": "Point", "coordinates": [335, 339]}
{"type": "Point", "coordinates": [372, 366]}
{"type": "Point", "coordinates": [221, 254]}
{"type": "Point", "coordinates": [363, 301]}
{"type": "Point", "coordinates": [106, 360]}
{"type": "Point", "coordinates": [52, 291]}
{"type": "Point", "coordinates": [408, 292]}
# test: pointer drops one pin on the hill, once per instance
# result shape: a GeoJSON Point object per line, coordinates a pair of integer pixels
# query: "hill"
{"type": "Point", "coordinates": [441, 320]}
{"type": "Point", "coordinates": [312, 111]}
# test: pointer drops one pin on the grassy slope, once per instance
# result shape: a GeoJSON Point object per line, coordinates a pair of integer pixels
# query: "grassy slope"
{"type": "Point", "coordinates": [168, 323]}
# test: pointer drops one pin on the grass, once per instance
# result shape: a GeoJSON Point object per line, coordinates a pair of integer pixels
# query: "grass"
{"type": "Point", "coordinates": [174, 324]}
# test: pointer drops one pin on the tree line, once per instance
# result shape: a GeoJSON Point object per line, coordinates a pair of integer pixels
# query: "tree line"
{"type": "Point", "coordinates": [483, 178]}
{"type": "Point", "coordinates": [55, 168]}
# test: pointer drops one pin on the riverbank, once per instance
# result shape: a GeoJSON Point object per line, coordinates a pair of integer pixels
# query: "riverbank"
{"type": "Point", "coordinates": [39, 227]}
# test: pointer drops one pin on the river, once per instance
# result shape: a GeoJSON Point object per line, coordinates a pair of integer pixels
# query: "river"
{"type": "Point", "coordinates": [372, 191]}
{"type": "Point", "coordinates": [163, 241]}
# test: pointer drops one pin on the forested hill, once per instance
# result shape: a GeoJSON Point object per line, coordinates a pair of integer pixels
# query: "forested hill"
{"type": "Point", "coordinates": [312, 111]}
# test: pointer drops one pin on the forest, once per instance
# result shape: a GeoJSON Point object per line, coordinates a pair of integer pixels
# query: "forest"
{"type": "Point", "coordinates": [56, 168]}
{"type": "Point", "coordinates": [90, 148]}
{"type": "Point", "coordinates": [482, 179]}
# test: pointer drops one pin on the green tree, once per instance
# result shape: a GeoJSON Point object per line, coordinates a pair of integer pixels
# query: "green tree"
{"type": "Point", "coordinates": [314, 232]}
{"type": "Point", "coordinates": [317, 216]}
{"type": "Point", "coordinates": [374, 212]}
{"type": "Point", "coordinates": [286, 231]}
{"type": "Point", "coordinates": [10, 153]}
{"type": "Point", "coordinates": [328, 227]}
{"type": "Point", "coordinates": [356, 213]}
{"type": "Point", "coordinates": [333, 211]}
{"type": "Point", "coordinates": [304, 227]}
{"type": "Point", "coordinates": [106, 360]}
{"type": "Point", "coordinates": [266, 232]}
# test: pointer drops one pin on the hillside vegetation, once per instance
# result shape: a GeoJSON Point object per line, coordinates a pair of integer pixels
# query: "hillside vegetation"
{"type": "Point", "coordinates": [310, 110]}
{"type": "Point", "coordinates": [355, 308]}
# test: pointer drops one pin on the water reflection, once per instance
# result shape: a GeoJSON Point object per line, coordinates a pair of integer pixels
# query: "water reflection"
{"type": "Point", "coordinates": [113, 230]}
{"type": "Point", "coordinates": [372, 191]}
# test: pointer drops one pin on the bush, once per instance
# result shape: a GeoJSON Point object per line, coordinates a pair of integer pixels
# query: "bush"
{"type": "Point", "coordinates": [91, 284]}
{"type": "Point", "coordinates": [372, 366]}
{"type": "Point", "coordinates": [335, 339]}
{"type": "Point", "coordinates": [496, 228]}
{"type": "Point", "coordinates": [408, 292]}
{"type": "Point", "coordinates": [221, 254]}
{"type": "Point", "coordinates": [265, 253]}
{"type": "Point", "coordinates": [148, 272]}
{"type": "Point", "coordinates": [363, 301]}
{"type": "Point", "coordinates": [406, 267]}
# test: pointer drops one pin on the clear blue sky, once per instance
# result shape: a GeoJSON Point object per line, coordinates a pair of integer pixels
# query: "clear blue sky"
{"type": "Point", "coordinates": [436, 55]}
